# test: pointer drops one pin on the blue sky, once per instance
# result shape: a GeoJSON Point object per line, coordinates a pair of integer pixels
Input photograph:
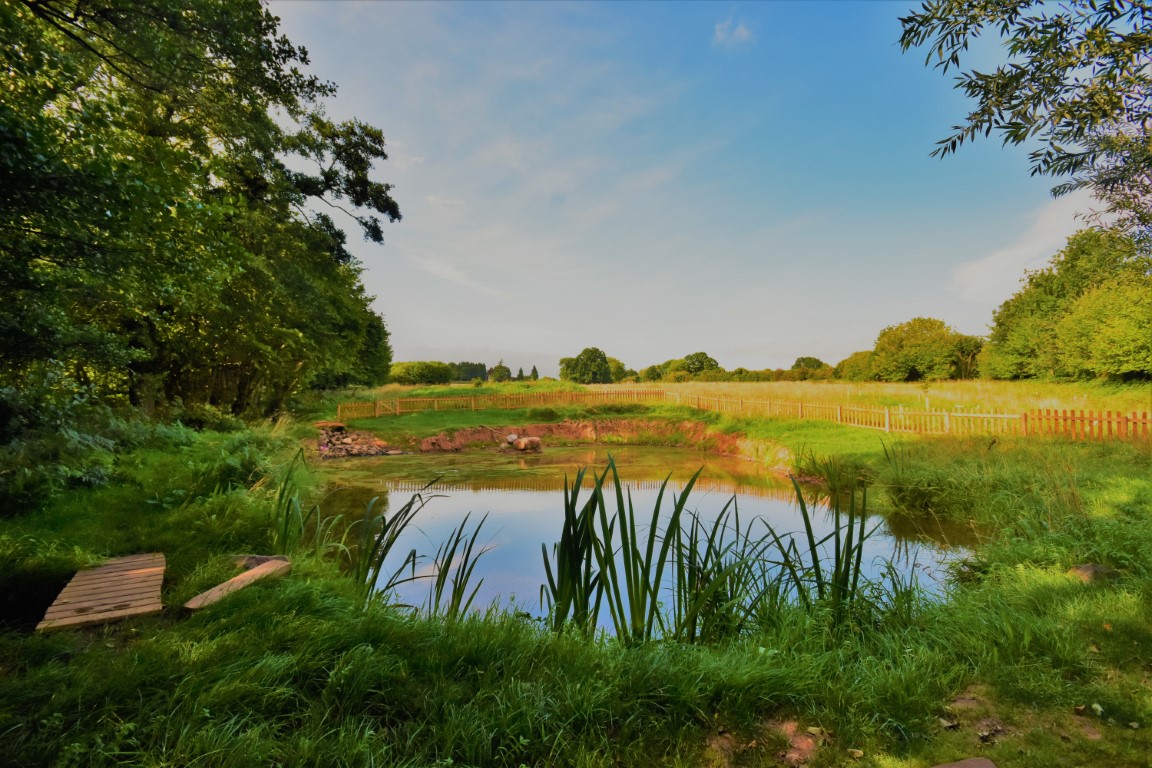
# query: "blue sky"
{"type": "Point", "coordinates": [751, 180]}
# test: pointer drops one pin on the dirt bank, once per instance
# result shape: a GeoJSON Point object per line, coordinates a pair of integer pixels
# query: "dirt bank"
{"type": "Point", "coordinates": [680, 434]}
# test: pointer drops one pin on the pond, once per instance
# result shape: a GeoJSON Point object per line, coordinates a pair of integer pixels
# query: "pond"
{"type": "Point", "coordinates": [522, 496]}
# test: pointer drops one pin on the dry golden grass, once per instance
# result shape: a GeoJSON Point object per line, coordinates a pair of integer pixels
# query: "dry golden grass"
{"type": "Point", "coordinates": [977, 396]}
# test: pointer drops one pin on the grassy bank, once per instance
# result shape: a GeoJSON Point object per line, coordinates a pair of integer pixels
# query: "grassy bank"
{"type": "Point", "coordinates": [297, 672]}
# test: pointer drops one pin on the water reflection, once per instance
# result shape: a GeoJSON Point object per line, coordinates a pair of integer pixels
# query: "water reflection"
{"type": "Point", "coordinates": [523, 498]}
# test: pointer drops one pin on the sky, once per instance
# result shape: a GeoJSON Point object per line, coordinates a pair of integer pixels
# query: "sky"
{"type": "Point", "coordinates": [750, 180]}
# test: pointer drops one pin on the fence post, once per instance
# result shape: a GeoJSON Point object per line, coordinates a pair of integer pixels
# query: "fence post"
{"type": "Point", "coordinates": [947, 423]}
{"type": "Point", "coordinates": [887, 419]}
{"type": "Point", "coordinates": [1024, 423]}
{"type": "Point", "coordinates": [396, 402]}
{"type": "Point", "coordinates": [800, 410]}
{"type": "Point", "coordinates": [839, 414]}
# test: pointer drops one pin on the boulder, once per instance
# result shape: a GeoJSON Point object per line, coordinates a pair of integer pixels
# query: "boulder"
{"type": "Point", "coordinates": [532, 444]}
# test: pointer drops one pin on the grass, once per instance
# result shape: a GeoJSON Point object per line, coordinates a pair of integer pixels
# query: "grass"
{"type": "Point", "coordinates": [304, 671]}
{"type": "Point", "coordinates": [978, 396]}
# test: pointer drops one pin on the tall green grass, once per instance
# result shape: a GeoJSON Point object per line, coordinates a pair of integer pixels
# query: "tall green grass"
{"type": "Point", "coordinates": [717, 575]}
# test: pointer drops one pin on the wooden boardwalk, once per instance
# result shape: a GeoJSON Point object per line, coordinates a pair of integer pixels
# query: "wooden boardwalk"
{"type": "Point", "coordinates": [122, 587]}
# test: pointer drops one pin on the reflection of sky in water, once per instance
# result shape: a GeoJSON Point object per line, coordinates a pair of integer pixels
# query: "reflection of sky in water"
{"type": "Point", "coordinates": [519, 521]}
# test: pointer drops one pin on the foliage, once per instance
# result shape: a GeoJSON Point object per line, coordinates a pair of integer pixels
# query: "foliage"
{"type": "Point", "coordinates": [1106, 332]}
{"type": "Point", "coordinates": [422, 372]}
{"type": "Point", "coordinates": [923, 348]}
{"type": "Point", "coordinates": [808, 364]}
{"type": "Point", "coordinates": [618, 370]}
{"type": "Point", "coordinates": [468, 371]}
{"type": "Point", "coordinates": [1073, 72]}
{"type": "Point", "coordinates": [1025, 340]}
{"type": "Point", "coordinates": [534, 375]}
{"type": "Point", "coordinates": [589, 367]}
{"type": "Point", "coordinates": [500, 373]}
{"type": "Point", "coordinates": [154, 243]}
{"type": "Point", "coordinates": [699, 362]}
{"type": "Point", "coordinates": [856, 367]}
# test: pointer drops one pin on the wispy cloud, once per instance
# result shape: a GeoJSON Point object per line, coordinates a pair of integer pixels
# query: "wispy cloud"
{"type": "Point", "coordinates": [450, 273]}
{"type": "Point", "coordinates": [732, 33]}
{"type": "Point", "coordinates": [997, 275]}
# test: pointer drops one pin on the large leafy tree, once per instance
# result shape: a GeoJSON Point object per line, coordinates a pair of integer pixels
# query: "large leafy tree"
{"type": "Point", "coordinates": [153, 241]}
{"type": "Point", "coordinates": [591, 366]}
{"type": "Point", "coordinates": [922, 348]}
{"type": "Point", "coordinates": [1024, 341]}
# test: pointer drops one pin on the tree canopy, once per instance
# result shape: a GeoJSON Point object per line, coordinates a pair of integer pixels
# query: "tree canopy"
{"type": "Point", "coordinates": [154, 243]}
{"type": "Point", "coordinates": [589, 367]}
{"type": "Point", "coordinates": [923, 348]}
{"type": "Point", "coordinates": [1044, 330]}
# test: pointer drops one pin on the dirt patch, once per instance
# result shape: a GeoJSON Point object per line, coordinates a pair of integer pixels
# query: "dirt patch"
{"type": "Point", "coordinates": [609, 431]}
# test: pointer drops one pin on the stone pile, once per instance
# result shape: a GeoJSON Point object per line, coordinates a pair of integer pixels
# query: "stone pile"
{"type": "Point", "coordinates": [337, 441]}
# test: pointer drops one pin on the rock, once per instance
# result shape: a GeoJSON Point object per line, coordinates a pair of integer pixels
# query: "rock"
{"type": "Point", "coordinates": [528, 444]}
{"type": "Point", "coordinates": [1089, 572]}
{"type": "Point", "coordinates": [972, 762]}
{"type": "Point", "coordinates": [512, 438]}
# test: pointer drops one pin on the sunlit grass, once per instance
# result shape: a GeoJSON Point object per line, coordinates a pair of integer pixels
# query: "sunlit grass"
{"type": "Point", "coordinates": [976, 396]}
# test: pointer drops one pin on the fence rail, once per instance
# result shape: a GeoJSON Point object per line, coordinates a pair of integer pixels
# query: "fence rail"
{"type": "Point", "coordinates": [1079, 425]}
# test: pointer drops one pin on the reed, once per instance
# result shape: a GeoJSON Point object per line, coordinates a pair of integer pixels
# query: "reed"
{"type": "Point", "coordinates": [573, 592]}
{"type": "Point", "coordinates": [378, 535]}
{"type": "Point", "coordinates": [632, 585]}
{"type": "Point", "coordinates": [819, 578]}
{"type": "Point", "coordinates": [452, 592]}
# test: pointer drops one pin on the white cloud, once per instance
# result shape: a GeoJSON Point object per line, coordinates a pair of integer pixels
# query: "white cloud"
{"type": "Point", "coordinates": [996, 276]}
{"type": "Point", "coordinates": [726, 35]}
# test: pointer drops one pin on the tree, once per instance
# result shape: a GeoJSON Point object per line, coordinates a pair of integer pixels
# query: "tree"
{"type": "Point", "coordinates": [154, 243]}
{"type": "Point", "coordinates": [468, 371]}
{"type": "Point", "coordinates": [520, 374]}
{"type": "Point", "coordinates": [500, 373]}
{"type": "Point", "coordinates": [534, 375]}
{"type": "Point", "coordinates": [422, 372]}
{"type": "Point", "coordinates": [698, 362]}
{"type": "Point", "coordinates": [1108, 331]}
{"type": "Point", "coordinates": [588, 367]}
{"type": "Point", "coordinates": [922, 348]}
{"type": "Point", "coordinates": [1075, 73]}
{"type": "Point", "coordinates": [808, 364]}
{"type": "Point", "coordinates": [618, 370]}
{"type": "Point", "coordinates": [856, 367]}
{"type": "Point", "coordinates": [1023, 342]}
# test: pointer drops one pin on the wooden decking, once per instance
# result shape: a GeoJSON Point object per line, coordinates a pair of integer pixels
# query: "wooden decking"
{"type": "Point", "coordinates": [122, 587]}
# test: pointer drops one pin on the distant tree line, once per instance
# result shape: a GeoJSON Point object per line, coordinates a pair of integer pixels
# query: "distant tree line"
{"type": "Point", "coordinates": [1088, 314]}
{"type": "Point", "coordinates": [433, 372]}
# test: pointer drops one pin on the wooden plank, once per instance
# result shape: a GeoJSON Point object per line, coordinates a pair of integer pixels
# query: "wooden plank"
{"type": "Point", "coordinates": [100, 605]}
{"type": "Point", "coordinates": [120, 588]}
{"type": "Point", "coordinates": [270, 569]}
{"type": "Point", "coordinates": [87, 619]}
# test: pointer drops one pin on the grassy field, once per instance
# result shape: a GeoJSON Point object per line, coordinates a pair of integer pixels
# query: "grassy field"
{"type": "Point", "coordinates": [978, 396]}
{"type": "Point", "coordinates": [1021, 663]}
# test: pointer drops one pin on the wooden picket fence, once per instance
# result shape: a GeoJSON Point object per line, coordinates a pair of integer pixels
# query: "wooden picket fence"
{"type": "Point", "coordinates": [1078, 425]}
{"type": "Point", "coordinates": [402, 405]}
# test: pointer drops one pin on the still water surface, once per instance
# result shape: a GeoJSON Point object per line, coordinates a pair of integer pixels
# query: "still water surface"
{"type": "Point", "coordinates": [522, 496]}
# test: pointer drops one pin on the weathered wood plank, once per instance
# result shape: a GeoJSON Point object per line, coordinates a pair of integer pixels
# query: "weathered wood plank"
{"type": "Point", "coordinates": [122, 587]}
{"type": "Point", "coordinates": [270, 569]}
{"type": "Point", "coordinates": [101, 617]}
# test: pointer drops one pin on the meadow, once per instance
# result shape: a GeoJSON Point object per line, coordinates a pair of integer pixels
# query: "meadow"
{"type": "Point", "coordinates": [1020, 662]}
